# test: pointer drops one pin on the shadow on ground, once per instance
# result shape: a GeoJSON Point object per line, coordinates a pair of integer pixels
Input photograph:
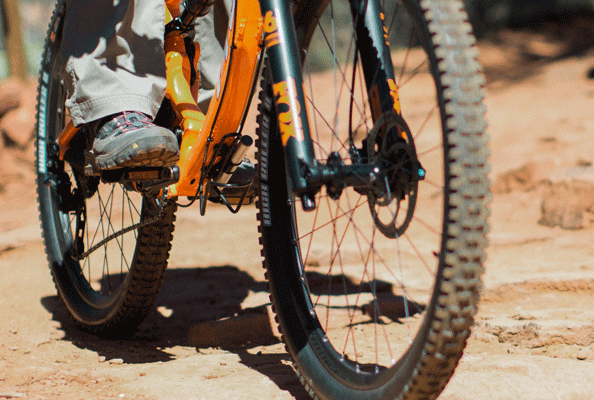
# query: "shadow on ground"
{"type": "Point", "coordinates": [188, 298]}
{"type": "Point", "coordinates": [202, 307]}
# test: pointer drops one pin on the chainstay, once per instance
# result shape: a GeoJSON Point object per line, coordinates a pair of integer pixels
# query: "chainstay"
{"type": "Point", "coordinates": [121, 232]}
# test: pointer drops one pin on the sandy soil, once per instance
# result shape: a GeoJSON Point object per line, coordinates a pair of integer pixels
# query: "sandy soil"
{"type": "Point", "coordinates": [534, 335]}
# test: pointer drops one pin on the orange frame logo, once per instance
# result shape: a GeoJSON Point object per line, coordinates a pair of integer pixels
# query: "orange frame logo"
{"type": "Point", "coordinates": [289, 109]}
{"type": "Point", "coordinates": [271, 30]}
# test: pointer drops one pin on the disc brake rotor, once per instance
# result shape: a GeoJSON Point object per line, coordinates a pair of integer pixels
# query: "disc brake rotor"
{"type": "Point", "coordinates": [393, 198]}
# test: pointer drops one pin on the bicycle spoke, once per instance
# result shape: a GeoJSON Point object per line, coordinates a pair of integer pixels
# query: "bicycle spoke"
{"type": "Point", "coordinates": [359, 121]}
{"type": "Point", "coordinates": [370, 277]}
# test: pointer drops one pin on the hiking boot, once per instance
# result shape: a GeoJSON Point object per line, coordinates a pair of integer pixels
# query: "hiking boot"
{"type": "Point", "coordinates": [131, 139]}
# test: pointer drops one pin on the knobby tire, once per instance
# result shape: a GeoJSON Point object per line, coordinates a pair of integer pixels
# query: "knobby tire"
{"type": "Point", "coordinates": [335, 277]}
{"type": "Point", "coordinates": [112, 290]}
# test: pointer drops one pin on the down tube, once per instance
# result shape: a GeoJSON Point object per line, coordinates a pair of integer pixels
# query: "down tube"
{"type": "Point", "coordinates": [285, 65]}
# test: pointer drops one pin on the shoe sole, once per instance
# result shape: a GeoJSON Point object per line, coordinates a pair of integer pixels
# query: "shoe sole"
{"type": "Point", "coordinates": [145, 148]}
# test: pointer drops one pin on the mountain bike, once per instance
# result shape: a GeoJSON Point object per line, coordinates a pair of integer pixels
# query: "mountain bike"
{"type": "Point", "coordinates": [370, 183]}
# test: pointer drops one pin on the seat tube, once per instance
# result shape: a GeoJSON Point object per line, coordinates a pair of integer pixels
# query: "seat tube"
{"type": "Point", "coordinates": [285, 63]}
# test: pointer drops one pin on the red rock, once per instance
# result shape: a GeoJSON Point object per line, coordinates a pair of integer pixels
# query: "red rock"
{"type": "Point", "coordinates": [565, 204]}
{"type": "Point", "coordinates": [10, 95]}
{"type": "Point", "coordinates": [17, 126]}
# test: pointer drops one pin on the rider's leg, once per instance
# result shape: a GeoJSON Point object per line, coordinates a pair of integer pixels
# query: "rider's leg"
{"type": "Point", "coordinates": [115, 63]}
{"type": "Point", "coordinates": [211, 32]}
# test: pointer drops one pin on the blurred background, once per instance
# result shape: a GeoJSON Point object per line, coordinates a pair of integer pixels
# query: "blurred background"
{"type": "Point", "coordinates": [531, 29]}
{"type": "Point", "coordinates": [33, 22]}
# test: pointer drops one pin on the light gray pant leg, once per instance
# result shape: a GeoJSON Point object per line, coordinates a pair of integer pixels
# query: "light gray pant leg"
{"type": "Point", "coordinates": [114, 57]}
{"type": "Point", "coordinates": [210, 32]}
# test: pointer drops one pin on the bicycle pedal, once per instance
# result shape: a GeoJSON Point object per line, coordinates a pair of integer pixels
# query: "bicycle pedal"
{"type": "Point", "coordinates": [167, 175]}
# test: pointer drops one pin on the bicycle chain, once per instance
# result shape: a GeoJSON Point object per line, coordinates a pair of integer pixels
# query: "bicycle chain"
{"type": "Point", "coordinates": [121, 232]}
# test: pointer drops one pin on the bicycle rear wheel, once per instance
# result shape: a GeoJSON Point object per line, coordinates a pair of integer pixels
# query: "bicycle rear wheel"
{"type": "Point", "coordinates": [111, 289]}
{"type": "Point", "coordinates": [375, 294]}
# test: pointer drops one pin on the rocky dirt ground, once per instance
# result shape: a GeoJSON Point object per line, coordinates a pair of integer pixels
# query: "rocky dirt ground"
{"type": "Point", "coordinates": [534, 333]}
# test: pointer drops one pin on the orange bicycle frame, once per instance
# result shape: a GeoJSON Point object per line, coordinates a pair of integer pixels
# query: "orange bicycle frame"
{"type": "Point", "coordinates": [200, 131]}
{"type": "Point", "coordinates": [248, 33]}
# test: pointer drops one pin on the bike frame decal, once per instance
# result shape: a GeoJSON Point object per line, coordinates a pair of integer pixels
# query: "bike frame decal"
{"type": "Point", "coordinates": [376, 102]}
{"type": "Point", "coordinates": [41, 127]}
{"type": "Point", "coordinates": [270, 30]}
{"type": "Point", "coordinates": [289, 121]}
{"type": "Point", "coordinates": [394, 94]}
{"type": "Point", "coordinates": [383, 18]}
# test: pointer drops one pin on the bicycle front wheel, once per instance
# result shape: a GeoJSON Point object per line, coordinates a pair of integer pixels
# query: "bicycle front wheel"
{"type": "Point", "coordinates": [106, 260]}
{"type": "Point", "coordinates": [375, 290]}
